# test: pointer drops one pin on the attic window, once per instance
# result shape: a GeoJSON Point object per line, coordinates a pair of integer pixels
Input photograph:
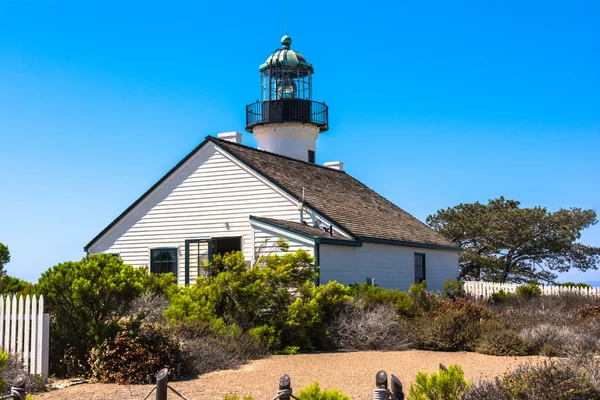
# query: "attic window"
{"type": "Point", "coordinates": [163, 260]}
{"type": "Point", "coordinates": [311, 156]}
{"type": "Point", "coordinates": [419, 267]}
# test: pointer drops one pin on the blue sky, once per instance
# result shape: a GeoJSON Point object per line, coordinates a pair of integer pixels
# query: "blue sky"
{"type": "Point", "coordinates": [431, 103]}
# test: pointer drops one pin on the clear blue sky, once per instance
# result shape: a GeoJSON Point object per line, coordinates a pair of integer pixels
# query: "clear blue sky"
{"type": "Point", "coordinates": [431, 103]}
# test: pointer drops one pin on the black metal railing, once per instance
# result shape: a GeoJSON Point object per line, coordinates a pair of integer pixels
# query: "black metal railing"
{"type": "Point", "coordinates": [284, 110]}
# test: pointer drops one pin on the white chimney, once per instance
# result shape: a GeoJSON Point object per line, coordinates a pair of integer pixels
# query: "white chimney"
{"type": "Point", "coordinates": [235, 137]}
{"type": "Point", "coordinates": [335, 165]}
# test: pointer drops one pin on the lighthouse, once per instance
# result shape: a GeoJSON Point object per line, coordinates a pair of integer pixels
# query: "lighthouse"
{"type": "Point", "coordinates": [286, 120]}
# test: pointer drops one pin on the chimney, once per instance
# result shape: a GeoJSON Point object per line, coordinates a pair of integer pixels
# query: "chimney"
{"type": "Point", "coordinates": [235, 137]}
{"type": "Point", "coordinates": [335, 165]}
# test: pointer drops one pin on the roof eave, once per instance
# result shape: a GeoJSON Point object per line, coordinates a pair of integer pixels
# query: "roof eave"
{"type": "Point", "coordinates": [408, 244]}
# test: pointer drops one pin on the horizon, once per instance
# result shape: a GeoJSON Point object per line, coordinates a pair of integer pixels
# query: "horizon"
{"type": "Point", "coordinates": [429, 106]}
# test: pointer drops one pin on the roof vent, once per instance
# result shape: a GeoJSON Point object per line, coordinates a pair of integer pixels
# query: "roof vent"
{"type": "Point", "coordinates": [234, 137]}
{"type": "Point", "coordinates": [335, 165]}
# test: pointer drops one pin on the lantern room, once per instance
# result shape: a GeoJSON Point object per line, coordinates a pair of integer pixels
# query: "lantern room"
{"type": "Point", "coordinates": [286, 120]}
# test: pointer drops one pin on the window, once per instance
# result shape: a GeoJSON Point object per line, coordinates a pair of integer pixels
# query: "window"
{"type": "Point", "coordinates": [226, 245]}
{"type": "Point", "coordinates": [311, 156]}
{"type": "Point", "coordinates": [163, 261]}
{"type": "Point", "coordinates": [419, 267]}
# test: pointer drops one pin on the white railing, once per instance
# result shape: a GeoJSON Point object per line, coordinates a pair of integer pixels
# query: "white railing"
{"type": "Point", "coordinates": [484, 290]}
{"type": "Point", "coordinates": [24, 331]}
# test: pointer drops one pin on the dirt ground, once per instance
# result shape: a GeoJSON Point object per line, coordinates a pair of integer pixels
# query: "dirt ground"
{"type": "Point", "coordinates": [353, 373]}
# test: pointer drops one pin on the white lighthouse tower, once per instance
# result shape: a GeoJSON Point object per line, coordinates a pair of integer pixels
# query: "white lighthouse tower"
{"type": "Point", "coordinates": [286, 120]}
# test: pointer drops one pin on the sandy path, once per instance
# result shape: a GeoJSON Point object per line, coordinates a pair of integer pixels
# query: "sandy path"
{"type": "Point", "coordinates": [353, 373]}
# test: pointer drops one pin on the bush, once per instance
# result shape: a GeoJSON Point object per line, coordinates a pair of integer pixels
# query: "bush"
{"type": "Point", "coordinates": [135, 355]}
{"type": "Point", "coordinates": [588, 311]}
{"type": "Point", "coordinates": [374, 296]}
{"type": "Point", "coordinates": [547, 380]}
{"type": "Point", "coordinates": [579, 285]}
{"type": "Point", "coordinates": [14, 368]}
{"type": "Point", "coordinates": [150, 306]}
{"type": "Point", "coordinates": [205, 350]}
{"type": "Point", "coordinates": [314, 392]}
{"type": "Point", "coordinates": [85, 299]}
{"type": "Point", "coordinates": [496, 340]}
{"type": "Point", "coordinates": [500, 296]}
{"type": "Point", "coordinates": [12, 285]}
{"type": "Point", "coordinates": [549, 340]}
{"type": "Point", "coordinates": [529, 291]}
{"type": "Point", "coordinates": [448, 384]}
{"type": "Point", "coordinates": [423, 300]}
{"type": "Point", "coordinates": [453, 288]}
{"type": "Point", "coordinates": [365, 327]}
{"type": "Point", "coordinates": [454, 325]}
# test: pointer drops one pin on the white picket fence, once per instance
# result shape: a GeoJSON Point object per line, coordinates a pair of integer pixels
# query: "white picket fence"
{"type": "Point", "coordinates": [484, 290]}
{"type": "Point", "coordinates": [25, 331]}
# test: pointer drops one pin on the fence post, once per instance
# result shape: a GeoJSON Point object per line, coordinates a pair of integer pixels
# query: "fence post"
{"type": "Point", "coordinates": [285, 383]}
{"type": "Point", "coordinates": [381, 391]}
{"type": "Point", "coordinates": [161, 384]}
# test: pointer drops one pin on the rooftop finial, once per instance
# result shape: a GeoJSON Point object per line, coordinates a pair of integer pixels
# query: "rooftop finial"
{"type": "Point", "coordinates": [286, 41]}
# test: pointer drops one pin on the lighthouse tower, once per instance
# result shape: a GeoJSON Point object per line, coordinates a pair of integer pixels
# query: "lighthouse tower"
{"type": "Point", "coordinates": [286, 120]}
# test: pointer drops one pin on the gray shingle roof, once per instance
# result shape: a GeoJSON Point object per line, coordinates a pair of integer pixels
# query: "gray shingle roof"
{"type": "Point", "coordinates": [339, 197]}
{"type": "Point", "coordinates": [302, 228]}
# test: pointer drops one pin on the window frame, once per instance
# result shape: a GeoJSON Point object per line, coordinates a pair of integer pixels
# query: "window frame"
{"type": "Point", "coordinates": [420, 267]}
{"type": "Point", "coordinates": [174, 270]}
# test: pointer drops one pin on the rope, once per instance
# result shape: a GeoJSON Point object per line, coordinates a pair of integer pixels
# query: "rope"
{"type": "Point", "coordinates": [285, 393]}
{"type": "Point", "coordinates": [148, 395]}
{"type": "Point", "coordinates": [381, 394]}
{"type": "Point", "coordinates": [177, 393]}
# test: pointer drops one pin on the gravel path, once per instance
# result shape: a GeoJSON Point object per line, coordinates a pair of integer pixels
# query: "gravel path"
{"type": "Point", "coordinates": [353, 373]}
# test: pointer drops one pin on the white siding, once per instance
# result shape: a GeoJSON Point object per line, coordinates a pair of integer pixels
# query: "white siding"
{"type": "Point", "coordinates": [211, 195]}
{"type": "Point", "coordinates": [391, 266]}
{"type": "Point", "coordinates": [265, 241]}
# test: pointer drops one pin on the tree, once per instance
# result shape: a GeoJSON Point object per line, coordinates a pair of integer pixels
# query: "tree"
{"type": "Point", "coordinates": [85, 300]}
{"type": "Point", "coordinates": [505, 243]}
{"type": "Point", "coordinates": [4, 258]}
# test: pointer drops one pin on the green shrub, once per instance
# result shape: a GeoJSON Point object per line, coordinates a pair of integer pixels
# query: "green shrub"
{"type": "Point", "coordinates": [85, 299]}
{"type": "Point", "coordinates": [496, 340]}
{"type": "Point", "coordinates": [135, 354]}
{"type": "Point", "coordinates": [3, 362]}
{"type": "Point", "coordinates": [453, 288]}
{"type": "Point", "coordinates": [423, 300]}
{"type": "Point", "coordinates": [579, 285]}
{"type": "Point", "coordinates": [314, 392]}
{"type": "Point", "coordinates": [588, 311]}
{"type": "Point", "coordinates": [547, 380]}
{"type": "Point", "coordinates": [529, 291]}
{"type": "Point", "coordinates": [235, 397]}
{"type": "Point", "coordinates": [447, 384]}
{"type": "Point", "coordinates": [500, 296]}
{"type": "Point", "coordinates": [373, 296]}
{"type": "Point", "coordinates": [276, 300]}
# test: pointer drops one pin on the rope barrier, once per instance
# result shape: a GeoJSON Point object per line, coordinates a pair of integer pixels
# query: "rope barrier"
{"type": "Point", "coordinates": [381, 394]}
{"type": "Point", "coordinates": [284, 393]}
{"type": "Point", "coordinates": [149, 393]}
{"type": "Point", "coordinates": [177, 393]}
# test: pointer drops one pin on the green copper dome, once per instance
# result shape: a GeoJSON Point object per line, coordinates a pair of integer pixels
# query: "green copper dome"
{"type": "Point", "coordinates": [286, 57]}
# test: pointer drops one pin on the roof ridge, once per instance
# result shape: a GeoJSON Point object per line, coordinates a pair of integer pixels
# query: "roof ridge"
{"type": "Point", "coordinates": [227, 142]}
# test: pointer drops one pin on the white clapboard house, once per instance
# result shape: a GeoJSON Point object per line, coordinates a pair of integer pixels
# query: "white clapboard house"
{"type": "Point", "coordinates": [224, 196]}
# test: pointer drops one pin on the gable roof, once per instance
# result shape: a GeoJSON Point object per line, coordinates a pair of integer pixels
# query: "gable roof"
{"type": "Point", "coordinates": [335, 195]}
{"type": "Point", "coordinates": [339, 197]}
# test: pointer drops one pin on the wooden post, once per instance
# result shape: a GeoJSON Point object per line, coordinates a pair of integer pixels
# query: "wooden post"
{"type": "Point", "coordinates": [161, 384]}
{"type": "Point", "coordinates": [285, 383]}
{"type": "Point", "coordinates": [381, 380]}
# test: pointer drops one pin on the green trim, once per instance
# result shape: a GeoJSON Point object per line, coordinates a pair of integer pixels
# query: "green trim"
{"type": "Point", "coordinates": [338, 242]}
{"type": "Point", "coordinates": [318, 264]}
{"type": "Point", "coordinates": [187, 255]}
{"type": "Point", "coordinates": [407, 244]}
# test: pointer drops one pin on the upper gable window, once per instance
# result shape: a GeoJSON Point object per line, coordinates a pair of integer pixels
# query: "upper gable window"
{"type": "Point", "coordinates": [311, 156]}
{"type": "Point", "coordinates": [163, 260]}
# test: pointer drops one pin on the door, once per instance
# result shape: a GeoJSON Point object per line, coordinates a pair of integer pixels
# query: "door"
{"type": "Point", "coordinates": [197, 252]}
